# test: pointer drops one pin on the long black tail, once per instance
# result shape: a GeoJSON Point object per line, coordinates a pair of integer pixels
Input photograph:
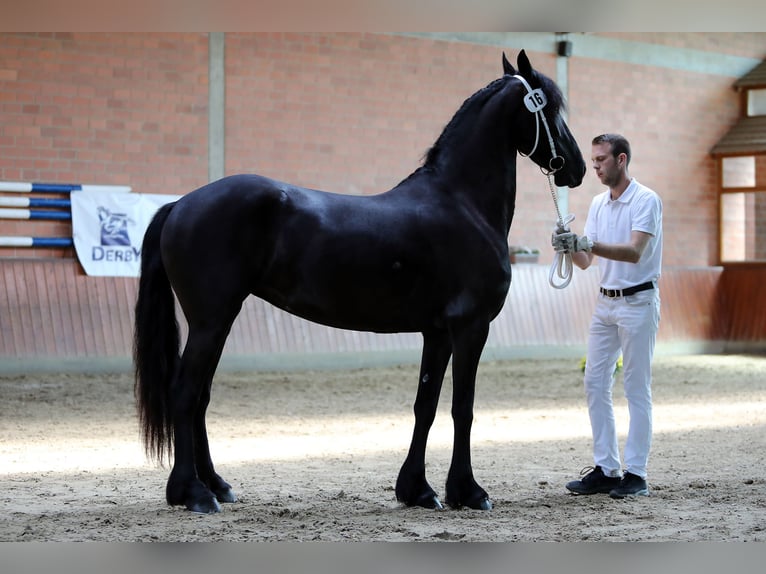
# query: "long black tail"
{"type": "Point", "coordinates": [155, 343]}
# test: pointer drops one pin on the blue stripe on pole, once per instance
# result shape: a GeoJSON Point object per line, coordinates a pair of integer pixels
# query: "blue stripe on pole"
{"type": "Point", "coordinates": [42, 202]}
{"type": "Point", "coordinates": [52, 242]}
{"type": "Point", "coordinates": [55, 187]}
{"type": "Point", "coordinates": [56, 215]}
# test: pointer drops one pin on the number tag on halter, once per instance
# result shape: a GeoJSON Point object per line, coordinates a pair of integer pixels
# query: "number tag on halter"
{"type": "Point", "coordinates": [535, 100]}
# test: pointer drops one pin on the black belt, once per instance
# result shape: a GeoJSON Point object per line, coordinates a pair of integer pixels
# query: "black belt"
{"type": "Point", "coordinates": [628, 290]}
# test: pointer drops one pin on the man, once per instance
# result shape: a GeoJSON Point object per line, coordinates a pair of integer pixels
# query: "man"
{"type": "Point", "coordinates": [624, 229]}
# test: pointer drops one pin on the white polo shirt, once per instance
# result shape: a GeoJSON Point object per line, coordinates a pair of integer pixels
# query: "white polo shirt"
{"type": "Point", "coordinates": [637, 209]}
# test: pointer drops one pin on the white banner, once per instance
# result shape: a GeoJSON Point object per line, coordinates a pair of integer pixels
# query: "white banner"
{"type": "Point", "coordinates": [108, 229]}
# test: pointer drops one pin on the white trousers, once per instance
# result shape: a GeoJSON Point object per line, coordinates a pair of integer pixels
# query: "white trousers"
{"type": "Point", "coordinates": [628, 325]}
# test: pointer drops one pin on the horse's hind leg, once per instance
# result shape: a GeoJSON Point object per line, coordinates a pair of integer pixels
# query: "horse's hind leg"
{"type": "Point", "coordinates": [193, 481]}
{"type": "Point", "coordinates": [412, 488]}
{"type": "Point", "coordinates": [204, 463]}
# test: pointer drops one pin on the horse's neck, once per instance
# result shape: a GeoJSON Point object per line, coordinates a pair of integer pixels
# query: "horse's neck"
{"type": "Point", "coordinates": [486, 162]}
{"type": "Point", "coordinates": [475, 161]}
{"type": "Point", "coordinates": [488, 183]}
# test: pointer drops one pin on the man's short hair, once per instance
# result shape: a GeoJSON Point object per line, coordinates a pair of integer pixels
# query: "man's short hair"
{"type": "Point", "coordinates": [619, 144]}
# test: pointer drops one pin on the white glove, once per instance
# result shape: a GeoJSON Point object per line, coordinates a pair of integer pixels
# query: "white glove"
{"type": "Point", "coordinates": [570, 243]}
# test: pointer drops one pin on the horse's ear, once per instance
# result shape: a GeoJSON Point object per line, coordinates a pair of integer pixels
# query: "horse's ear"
{"type": "Point", "coordinates": [525, 68]}
{"type": "Point", "coordinates": [507, 68]}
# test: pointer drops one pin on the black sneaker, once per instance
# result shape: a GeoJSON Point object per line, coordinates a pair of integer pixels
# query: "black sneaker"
{"type": "Point", "coordinates": [593, 482]}
{"type": "Point", "coordinates": [630, 485]}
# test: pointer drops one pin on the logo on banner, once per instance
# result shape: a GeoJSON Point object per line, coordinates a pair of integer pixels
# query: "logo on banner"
{"type": "Point", "coordinates": [114, 227]}
{"type": "Point", "coordinates": [115, 241]}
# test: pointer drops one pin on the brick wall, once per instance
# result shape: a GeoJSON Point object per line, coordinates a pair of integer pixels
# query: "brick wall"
{"type": "Point", "coordinates": [351, 113]}
{"type": "Point", "coordinates": [348, 112]}
{"type": "Point", "coordinates": [128, 109]}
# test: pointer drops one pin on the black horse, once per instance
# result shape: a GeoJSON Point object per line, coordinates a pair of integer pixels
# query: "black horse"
{"type": "Point", "coordinates": [428, 256]}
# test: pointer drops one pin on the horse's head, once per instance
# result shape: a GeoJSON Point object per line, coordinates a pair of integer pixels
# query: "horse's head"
{"type": "Point", "coordinates": [544, 135]}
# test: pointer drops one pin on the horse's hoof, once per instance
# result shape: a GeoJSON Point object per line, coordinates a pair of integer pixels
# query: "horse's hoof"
{"type": "Point", "coordinates": [484, 504]}
{"type": "Point", "coordinates": [430, 501]}
{"type": "Point", "coordinates": [210, 506]}
{"type": "Point", "coordinates": [226, 495]}
{"type": "Point", "coordinates": [435, 503]}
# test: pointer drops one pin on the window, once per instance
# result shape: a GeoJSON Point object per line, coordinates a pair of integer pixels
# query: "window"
{"type": "Point", "coordinates": [743, 226]}
{"type": "Point", "coordinates": [738, 171]}
{"type": "Point", "coordinates": [756, 102]}
{"type": "Point", "coordinates": [743, 208]}
{"type": "Point", "coordinates": [741, 156]}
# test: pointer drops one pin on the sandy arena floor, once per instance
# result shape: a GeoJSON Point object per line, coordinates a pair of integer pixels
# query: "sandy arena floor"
{"type": "Point", "coordinates": [314, 456]}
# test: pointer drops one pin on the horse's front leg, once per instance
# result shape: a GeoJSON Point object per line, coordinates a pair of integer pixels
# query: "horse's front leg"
{"type": "Point", "coordinates": [412, 488]}
{"type": "Point", "coordinates": [462, 489]}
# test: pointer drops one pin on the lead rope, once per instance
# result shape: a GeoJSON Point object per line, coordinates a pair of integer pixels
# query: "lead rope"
{"type": "Point", "coordinates": [535, 101]}
{"type": "Point", "coordinates": [562, 262]}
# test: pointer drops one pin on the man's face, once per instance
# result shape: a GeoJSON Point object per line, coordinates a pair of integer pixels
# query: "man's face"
{"type": "Point", "coordinates": [605, 164]}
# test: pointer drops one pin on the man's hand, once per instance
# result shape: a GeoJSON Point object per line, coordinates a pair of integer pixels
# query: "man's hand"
{"type": "Point", "coordinates": [570, 242]}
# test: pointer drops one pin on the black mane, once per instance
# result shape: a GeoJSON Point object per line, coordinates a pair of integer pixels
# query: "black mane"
{"type": "Point", "coordinates": [474, 104]}
{"type": "Point", "coordinates": [471, 106]}
{"type": "Point", "coordinates": [552, 91]}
